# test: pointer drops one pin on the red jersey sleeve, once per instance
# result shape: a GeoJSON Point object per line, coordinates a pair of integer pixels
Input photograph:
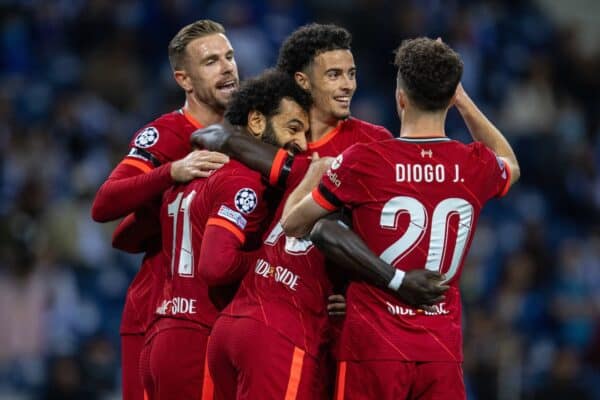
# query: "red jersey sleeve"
{"type": "Point", "coordinates": [159, 142]}
{"type": "Point", "coordinates": [144, 172]}
{"type": "Point", "coordinates": [237, 210]}
{"type": "Point", "coordinates": [380, 133]}
{"type": "Point", "coordinates": [127, 188]}
{"type": "Point", "coordinates": [495, 173]}
{"type": "Point", "coordinates": [343, 182]}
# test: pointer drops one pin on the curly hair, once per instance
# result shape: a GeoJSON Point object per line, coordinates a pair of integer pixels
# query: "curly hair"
{"type": "Point", "coordinates": [429, 71]}
{"type": "Point", "coordinates": [307, 42]}
{"type": "Point", "coordinates": [264, 93]}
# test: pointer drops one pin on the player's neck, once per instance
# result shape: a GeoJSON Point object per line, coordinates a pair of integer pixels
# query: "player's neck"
{"type": "Point", "coordinates": [423, 125]}
{"type": "Point", "coordinates": [202, 112]}
{"type": "Point", "coordinates": [321, 124]}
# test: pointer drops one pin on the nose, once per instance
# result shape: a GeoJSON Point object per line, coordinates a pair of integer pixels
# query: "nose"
{"type": "Point", "coordinates": [348, 83]}
{"type": "Point", "coordinates": [228, 66]}
{"type": "Point", "coordinates": [301, 142]}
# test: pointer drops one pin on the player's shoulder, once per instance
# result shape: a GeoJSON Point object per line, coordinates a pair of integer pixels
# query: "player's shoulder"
{"type": "Point", "coordinates": [174, 121]}
{"type": "Point", "coordinates": [361, 153]}
{"type": "Point", "coordinates": [165, 125]}
{"type": "Point", "coordinates": [377, 132]}
{"type": "Point", "coordinates": [375, 147]}
{"type": "Point", "coordinates": [235, 173]}
{"type": "Point", "coordinates": [479, 151]}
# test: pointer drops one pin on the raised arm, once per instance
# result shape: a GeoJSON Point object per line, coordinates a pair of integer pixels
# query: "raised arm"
{"type": "Point", "coordinates": [417, 287]}
{"type": "Point", "coordinates": [482, 130]}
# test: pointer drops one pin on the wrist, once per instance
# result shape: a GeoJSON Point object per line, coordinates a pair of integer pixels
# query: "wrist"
{"type": "Point", "coordinates": [396, 281]}
{"type": "Point", "coordinates": [172, 168]}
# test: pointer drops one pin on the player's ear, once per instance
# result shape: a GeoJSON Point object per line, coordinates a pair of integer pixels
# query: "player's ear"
{"type": "Point", "coordinates": [183, 80]}
{"type": "Point", "coordinates": [401, 98]}
{"type": "Point", "coordinates": [257, 123]}
{"type": "Point", "coordinates": [302, 80]}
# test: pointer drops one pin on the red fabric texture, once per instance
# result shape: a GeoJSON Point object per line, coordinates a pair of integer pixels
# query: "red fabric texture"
{"type": "Point", "coordinates": [127, 189]}
{"type": "Point", "coordinates": [391, 380]}
{"type": "Point", "coordinates": [131, 348]}
{"type": "Point", "coordinates": [172, 363]}
{"type": "Point", "coordinates": [248, 361]}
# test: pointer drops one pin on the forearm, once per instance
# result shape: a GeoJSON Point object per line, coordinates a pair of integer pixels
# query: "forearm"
{"type": "Point", "coordinates": [483, 130]}
{"type": "Point", "coordinates": [255, 154]}
{"type": "Point", "coordinates": [230, 140]}
{"type": "Point", "coordinates": [120, 195]}
{"type": "Point", "coordinates": [310, 181]}
{"type": "Point", "coordinates": [350, 252]}
{"type": "Point", "coordinates": [302, 190]}
{"type": "Point", "coordinates": [224, 263]}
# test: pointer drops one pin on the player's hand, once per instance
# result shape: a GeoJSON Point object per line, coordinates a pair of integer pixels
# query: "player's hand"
{"type": "Point", "coordinates": [422, 287]}
{"type": "Point", "coordinates": [197, 164]}
{"type": "Point", "coordinates": [213, 137]}
{"type": "Point", "coordinates": [336, 305]}
{"type": "Point", "coordinates": [460, 96]}
{"type": "Point", "coordinates": [318, 166]}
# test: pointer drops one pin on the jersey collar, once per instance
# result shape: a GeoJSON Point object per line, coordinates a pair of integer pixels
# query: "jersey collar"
{"type": "Point", "coordinates": [190, 118]}
{"type": "Point", "coordinates": [326, 138]}
{"type": "Point", "coordinates": [432, 139]}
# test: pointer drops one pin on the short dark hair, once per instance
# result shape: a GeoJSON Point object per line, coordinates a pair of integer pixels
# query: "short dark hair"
{"type": "Point", "coordinates": [307, 42]}
{"type": "Point", "coordinates": [195, 30]}
{"type": "Point", "coordinates": [429, 71]}
{"type": "Point", "coordinates": [264, 93]}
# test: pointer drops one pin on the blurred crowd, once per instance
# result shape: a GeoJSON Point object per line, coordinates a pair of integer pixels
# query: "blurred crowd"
{"type": "Point", "coordinates": [79, 77]}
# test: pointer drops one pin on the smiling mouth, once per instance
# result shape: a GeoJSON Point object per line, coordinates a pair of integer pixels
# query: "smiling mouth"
{"type": "Point", "coordinates": [227, 86]}
{"type": "Point", "coordinates": [343, 100]}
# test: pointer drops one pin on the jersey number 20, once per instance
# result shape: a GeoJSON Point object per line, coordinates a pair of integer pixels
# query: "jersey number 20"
{"type": "Point", "coordinates": [418, 226]}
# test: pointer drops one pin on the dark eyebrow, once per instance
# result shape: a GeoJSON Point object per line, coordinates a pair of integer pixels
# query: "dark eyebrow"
{"type": "Point", "coordinates": [296, 121]}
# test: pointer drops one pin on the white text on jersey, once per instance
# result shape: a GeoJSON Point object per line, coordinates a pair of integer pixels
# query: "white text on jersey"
{"type": "Point", "coordinates": [427, 173]}
{"type": "Point", "coordinates": [437, 309]}
{"type": "Point", "coordinates": [279, 274]}
{"type": "Point", "coordinates": [177, 305]}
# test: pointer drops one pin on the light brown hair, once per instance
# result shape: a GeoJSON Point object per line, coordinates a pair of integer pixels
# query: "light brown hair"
{"type": "Point", "coordinates": [195, 30]}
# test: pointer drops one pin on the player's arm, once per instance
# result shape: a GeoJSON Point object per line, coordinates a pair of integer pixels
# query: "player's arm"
{"type": "Point", "coordinates": [483, 130]}
{"type": "Point", "coordinates": [238, 212]}
{"type": "Point", "coordinates": [416, 287]}
{"type": "Point", "coordinates": [134, 182]}
{"type": "Point", "coordinates": [301, 217]}
{"type": "Point", "coordinates": [230, 140]}
{"type": "Point", "coordinates": [300, 211]}
{"type": "Point", "coordinates": [222, 260]}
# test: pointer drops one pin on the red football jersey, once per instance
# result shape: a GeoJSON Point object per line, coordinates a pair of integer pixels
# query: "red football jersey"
{"type": "Point", "coordinates": [165, 139]}
{"type": "Point", "coordinates": [288, 286]}
{"type": "Point", "coordinates": [415, 202]}
{"type": "Point", "coordinates": [231, 198]}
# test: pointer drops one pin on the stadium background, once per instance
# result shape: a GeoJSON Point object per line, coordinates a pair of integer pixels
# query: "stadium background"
{"type": "Point", "coordinates": [78, 77]}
